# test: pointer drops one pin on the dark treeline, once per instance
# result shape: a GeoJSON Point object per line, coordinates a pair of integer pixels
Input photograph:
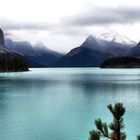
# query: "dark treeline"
{"type": "Point", "coordinates": [12, 64]}
{"type": "Point", "coordinates": [121, 62]}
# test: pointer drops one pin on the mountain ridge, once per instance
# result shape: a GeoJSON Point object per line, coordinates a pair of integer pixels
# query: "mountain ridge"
{"type": "Point", "coordinates": [93, 50]}
{"type": "Point", "coordinates": [96, 52]}
{"type": "Point", "coordinates": [36, 56]}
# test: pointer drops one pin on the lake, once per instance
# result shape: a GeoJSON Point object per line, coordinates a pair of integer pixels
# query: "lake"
{"type": "Point", "coordinates": [62, 103]}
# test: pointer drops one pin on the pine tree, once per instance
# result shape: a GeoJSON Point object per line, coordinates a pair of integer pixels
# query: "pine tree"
{"type": "Point", "coordinates": [116, 127]}
{"type": "Point", "coordinates": [138, 137]}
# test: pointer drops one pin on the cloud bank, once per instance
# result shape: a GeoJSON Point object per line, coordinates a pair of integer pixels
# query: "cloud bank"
{"type": "Point", "coordinates": [8, 24]}
{"type": "Point", "coordinates": [104, 16]}
{"type": "Point", "coordinates": [91, 17]}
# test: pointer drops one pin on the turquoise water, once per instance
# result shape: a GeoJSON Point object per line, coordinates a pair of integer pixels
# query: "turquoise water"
{"type": "Point", "coordinates": [61, 104]}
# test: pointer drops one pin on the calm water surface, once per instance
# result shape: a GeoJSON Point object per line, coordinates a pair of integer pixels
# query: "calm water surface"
{"type": "Point", "coordinates": [61, 104]}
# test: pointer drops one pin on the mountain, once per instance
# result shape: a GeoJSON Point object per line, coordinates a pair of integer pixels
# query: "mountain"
{"type": "Point", "coordinates": [92, 43]}
{"type": "Point", "coordinates": [115, 44]}
{"type": "Point", "coordinates": [135, 51]}
{"type": "Point", "coordinates": [10, 61]}
{"type": "Point", "coordinates": [46, 56]}
{"type": "Point", "coordinates": [115, 37]}
{"type": "Point", "coordinates": [20, 47]}
{"type": "Point", "coordinates": [82, 57]}
{"type": "Point", "coordinates": [121, 62]}
{"type": "Point", "coordinates": [93, 52]}
{"type": "Point", "coordinates": [24, 49]}
{"type": "Point", "coordinates": [36, 56]}
{"type": "Point", "coordinates": [115, 48]}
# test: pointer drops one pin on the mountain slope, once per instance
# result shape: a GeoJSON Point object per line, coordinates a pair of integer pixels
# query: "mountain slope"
{"type": "Point", "coordinates": [1, 38]}
{"type": "Point", "coordinates": [36, 56]}
{"type": "Point", "coordinates": [115, 37]}
{"type": "Point", "coordinates": [44, 55]}
{"type": "Point", "coordinates": [115, 45]}
{"type": "Point", "coordinates": [135, 52]}
{"type": "Point", "coordinates": [92, 43]}
{"type": "Point", "coordinates": [82, 57]}
{"type": "Point", "coordinates": [117, 49]}
{"type": "Point", "coordinates": [10, 61]}
{"type": "Point", "coordinates": [92, 52]}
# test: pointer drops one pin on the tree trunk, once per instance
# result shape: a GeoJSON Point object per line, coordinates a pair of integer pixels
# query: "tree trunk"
{"type": "Point", "coordinates": [118, 130]}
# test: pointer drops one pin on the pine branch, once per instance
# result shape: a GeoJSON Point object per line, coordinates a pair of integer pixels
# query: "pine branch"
{"type": "Point", "coordinates": [94, 135]}
{"type": "Point", "coordinates": [102, 127]}
{"type": "Point", "coordinates": [138, 137]}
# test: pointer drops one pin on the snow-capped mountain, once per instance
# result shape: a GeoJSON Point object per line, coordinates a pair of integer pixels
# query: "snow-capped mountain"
{"type": "Point", "coordinates": [115, 37]}
{"type": "Point", "coordinates": [110, 44]}
{"type": "Point", "coordinates": [94, 51]}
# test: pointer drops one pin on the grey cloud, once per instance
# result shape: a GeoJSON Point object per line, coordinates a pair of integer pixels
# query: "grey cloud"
{"type": "Point", "coordinates": [74, 24]}
{"type": "Point", "coordinates": [33, 27]}
{"type": "Point", "coordinates": [101, 16]}
{"type": "Point", "coordinates": [69, 30]}
{"type": "Point", "coordinates": [16, 25]}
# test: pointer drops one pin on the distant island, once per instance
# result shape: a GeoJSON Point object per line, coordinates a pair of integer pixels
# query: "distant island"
{"type": "Point", "coordinates": [9, 61]}
{"type": "Point", "coordinates": [121, 62]}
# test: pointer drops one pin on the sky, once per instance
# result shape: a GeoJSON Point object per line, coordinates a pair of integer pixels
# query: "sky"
{"type": "Point", "coordinates": [64, 24]}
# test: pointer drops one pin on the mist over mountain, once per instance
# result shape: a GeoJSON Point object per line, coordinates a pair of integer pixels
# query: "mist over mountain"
{"type": "Point", "coordinates": [36, 56]}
